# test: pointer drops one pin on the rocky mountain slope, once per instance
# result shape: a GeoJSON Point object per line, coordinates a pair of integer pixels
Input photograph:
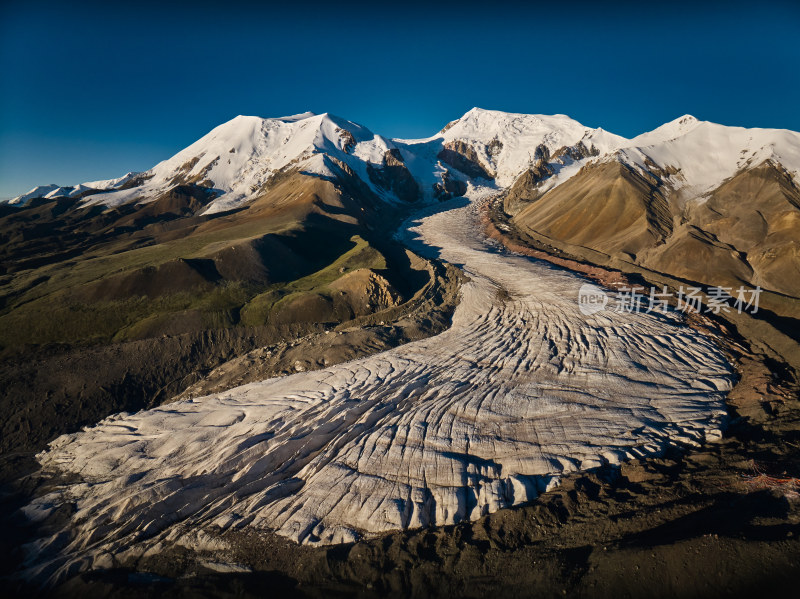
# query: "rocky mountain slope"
{"type": "Point", "coordinates": [686, 190]}
{"type": "Point", "coordinates": [701, 202]}
{"type": "Point", "coordinates": [263, 231]}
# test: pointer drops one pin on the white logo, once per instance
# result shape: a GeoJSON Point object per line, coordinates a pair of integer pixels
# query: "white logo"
{"type": "Point", "coordinates": [591, 299]}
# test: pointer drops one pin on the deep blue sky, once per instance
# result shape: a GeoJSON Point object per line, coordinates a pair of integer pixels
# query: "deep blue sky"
{"type": "Point", "coordinates": [93, 91]}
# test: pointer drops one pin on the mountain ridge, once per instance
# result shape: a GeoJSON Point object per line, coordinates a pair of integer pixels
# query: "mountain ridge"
{"type": "Point", "coordinates": [241, 155]}
{"type": "Point", "coordinates": [635, 200]}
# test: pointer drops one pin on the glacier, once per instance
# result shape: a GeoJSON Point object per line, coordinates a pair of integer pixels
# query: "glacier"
{"type": "Point", "coordinates": [521, 390]}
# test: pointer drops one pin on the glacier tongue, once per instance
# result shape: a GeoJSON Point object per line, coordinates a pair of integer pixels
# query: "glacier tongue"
{"type": "Point", "coordinates": [522, 389]}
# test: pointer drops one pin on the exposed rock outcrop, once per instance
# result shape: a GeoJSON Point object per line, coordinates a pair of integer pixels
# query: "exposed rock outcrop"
{"type": "Point", "coordinates": [449, 187]}
{"type": "Point", "coordinates": [463, 157]}
{"type": "Point", "coordinates": [526, 188]}
{"type": "Point", "coordinates": [394, 176]}
{"type": "Point", "coordinates": [348, 141]}
{"type": "Point", "coordinates": [364, 291]}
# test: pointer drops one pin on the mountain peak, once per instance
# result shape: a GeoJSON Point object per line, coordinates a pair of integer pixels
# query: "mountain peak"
{"type": "Point", "coordinates": [292, 118]}
{"type": "Point", "coordinates": [671, 130]}
{"type": "Point", "coordinates": [299, 116]}
{"type": "Point", "coordinates": [478, 110]}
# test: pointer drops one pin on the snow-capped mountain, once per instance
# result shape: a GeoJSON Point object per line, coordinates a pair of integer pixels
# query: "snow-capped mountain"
{"type": "Point", "coordinates": [690, 156]}
{"type": "Point", "coordinates": [56, 191]}
{"type": "Point", "coordinates": [688, 188]}
{"type": "Point", "coordinates": [696, 157]}
{"type": "Point", "coordinates": [509, 143]}
{"type": "Point", "coordinates": [238, 159]}
{"type": "Point", "coordinates": [696, 200]}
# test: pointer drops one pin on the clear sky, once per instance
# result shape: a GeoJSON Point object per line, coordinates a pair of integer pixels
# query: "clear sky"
{"type": "Point", "coordinates": [91, 91]}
